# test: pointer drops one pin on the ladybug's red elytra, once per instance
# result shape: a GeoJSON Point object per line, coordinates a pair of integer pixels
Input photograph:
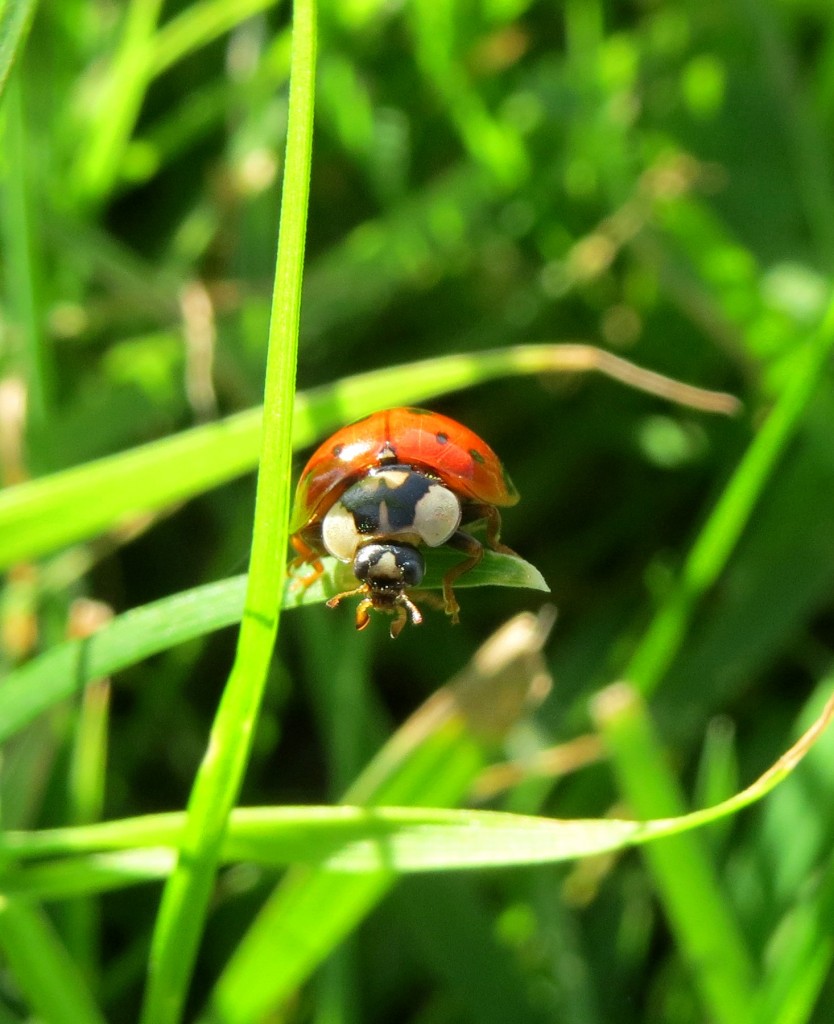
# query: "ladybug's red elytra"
{"type": "Point", "coordinates": [383, 487]}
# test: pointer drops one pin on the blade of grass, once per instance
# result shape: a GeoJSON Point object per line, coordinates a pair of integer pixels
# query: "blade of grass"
{"type": "Point", "coordinates": [430, 761]}
{"type": "Point", "coordinates": [121, 96]}
{"type": "Point", "coordinates": [800, 899]}
{"type": "Point", "coordinates": [186, 895]}
{"type": "Point", "coordinates": [370, 838]}
{"type": "Point", "coordinates": [197, 25]}
{"type": "Point", "coordinates": [21, 265]}
{"type": "Point", "coordinates": [42, 515]}
{"type": "Point", "coordinates": [800, 961]}
{"type": "Point", "coordinates": [43, 969]}
{"type": "Point", "coordinates": [707, 935]}
{"type": "Point", "coordinates": [64, 670]}
{"type": "Point", "coordinates": [15, 19]}
{"type": "Point", "coordinates": [714, 545]}
{"type": "Point", "coordinates": [81, 919]}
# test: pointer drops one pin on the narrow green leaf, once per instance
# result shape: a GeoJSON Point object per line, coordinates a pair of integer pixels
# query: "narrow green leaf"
{"type": "Point", "coordinates": [64, 670]}
{"type": "Point", "coordinates": [22, 263]}
{"type": "Point", "coordinates": [42, 515]}
{"type": "Point", "coordinates": [717, 540]}
{"type": "Point", "coordinates": [186, 896]}
{"type": "Point", "coordinates": [197, 25]}
{"type": "Point", "coordinates": [697, 910]}
{"type": "Point", "coordinates": [370, 839]}
{"type": "Point", "coordinates": [121, 96]}
{"type": "Point", "coordinates": [48, 978]}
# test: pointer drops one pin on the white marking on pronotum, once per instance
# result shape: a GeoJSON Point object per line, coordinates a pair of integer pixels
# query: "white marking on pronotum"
{"type": "Point", "coordinates": [339, 534]}
{"type": "Point", "coordinates": [437, 515]}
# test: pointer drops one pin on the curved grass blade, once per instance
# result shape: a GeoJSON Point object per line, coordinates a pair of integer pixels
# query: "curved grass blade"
{"type": "Point", "coordinates": [401, 839]}
{"type": "Point", "coordinates": [64, 670]}
{"type": "Point", "coordinates": [715, 543]}
{"type": "Point", "coordinates": [74, 504]}
{"type": "Point", "coordinates": [67, 668]}
{"type": "Point", "coordinates": [49, 980]}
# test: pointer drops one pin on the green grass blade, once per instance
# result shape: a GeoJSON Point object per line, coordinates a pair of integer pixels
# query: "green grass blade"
{"type": "Point", "coordinates": [697, 910]}
{"type": "Point", "coordinates": [48, 978]}
{"type": "Point", "coordinates": [121, 96]}
{"type": "Point", "coordinates": [197, 25]}
{"type": "Point", "coordinates": [64, 670]}
{"type": "Point", "coordinates": [431, 760]}
{"type": "Point", "coordinates": [42, 515]}
{"type": "Point", "coordinates": [85, 787]}
{"type": "Point", "coordinates": [662, 640]}
{"type": "Point", "coordinates": [186, 896]}
{"type": "Point", "coordinates": [46, 514]}
{"type": "Point", "coordinates": [376, 838]}
{"type": "Point", "coordinates": [21, 262]}
{"type": "Point", "coordinates": [89, 874]}
{"type": "Point", "coordinates": [15, 19]}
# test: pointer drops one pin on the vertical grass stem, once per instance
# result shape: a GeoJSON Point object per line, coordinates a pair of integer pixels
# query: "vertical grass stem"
{"type": "Point", "coordinates": [185, 899]}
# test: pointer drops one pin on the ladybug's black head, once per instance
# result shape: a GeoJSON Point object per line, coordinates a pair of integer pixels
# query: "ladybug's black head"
{"type": "Point", "coordinates": [385, 572]}
{"type": "Point", "coordinates": [388, 570]}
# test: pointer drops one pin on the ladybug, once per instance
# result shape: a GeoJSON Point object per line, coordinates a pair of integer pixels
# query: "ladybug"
{"type": "Point", "coordinates": [380, 489]}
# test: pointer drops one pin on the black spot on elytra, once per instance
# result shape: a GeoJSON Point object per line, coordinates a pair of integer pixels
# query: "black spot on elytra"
{"type": "Point", "coordinates": [337, 450]}
{"type": "Point", "coordinates": [442, 438]}
{"type": "Point", "coordinates": [476, 455]}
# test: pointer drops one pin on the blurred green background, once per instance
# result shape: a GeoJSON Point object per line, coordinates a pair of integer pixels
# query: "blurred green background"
{"type": "Point", "coordinates": [651, 177]}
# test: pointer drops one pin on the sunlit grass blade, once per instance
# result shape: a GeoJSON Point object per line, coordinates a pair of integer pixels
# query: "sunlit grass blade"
{"type": "Point", "coordinates": [88, 874]}
{"type": "Point", "coordinates": [697, 910]}
{"type": "Point", "coordinates": [86, 780]}
{"type": "Point", "coordinates": [370, 839]}
{"type": "Point", "coordinates": [714, 545]}
{"type": "Point", "coordinates": [121, 96]}
{"type": "Point", "coordinates": [42, 515]}
{"type": "Point", "coordinates": [64, 670]}
{"type": "Point", "coordinates": [22, 271]}
{"type": "Point", "coordinates": [185, 899]}
{"type": "Point", "coordinates": [15, 19]}
{"type": "Point", "coordinates": [431, 760]}
{"type": "Point", "coordinates": [197, 25]}
{"type": "Point", "coordinates": [49, 980]}
{"type": "Point", "coordinates": [800, 905]}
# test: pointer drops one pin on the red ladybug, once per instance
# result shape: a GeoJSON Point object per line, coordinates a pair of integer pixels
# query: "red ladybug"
{"type": "Point", "coordinates": [379, 489]}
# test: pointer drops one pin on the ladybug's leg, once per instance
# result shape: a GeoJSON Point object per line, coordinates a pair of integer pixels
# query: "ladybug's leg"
{"type": "Point", "coordinates": [406, 609]}
{"type": "Point", "coordinates": [306, 556]}
{"type": "Point", "coordinates": [475, 550]}
{"type": "Point", "coordinates": [362, 609]}
{"type": "Point", "coordinates": [492, 517]}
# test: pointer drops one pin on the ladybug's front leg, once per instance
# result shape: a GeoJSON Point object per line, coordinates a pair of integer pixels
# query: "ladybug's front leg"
{"type": "Point", "coordinates": [306, 556]}
{"type": "Point", "coordinates": [475, 550]}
